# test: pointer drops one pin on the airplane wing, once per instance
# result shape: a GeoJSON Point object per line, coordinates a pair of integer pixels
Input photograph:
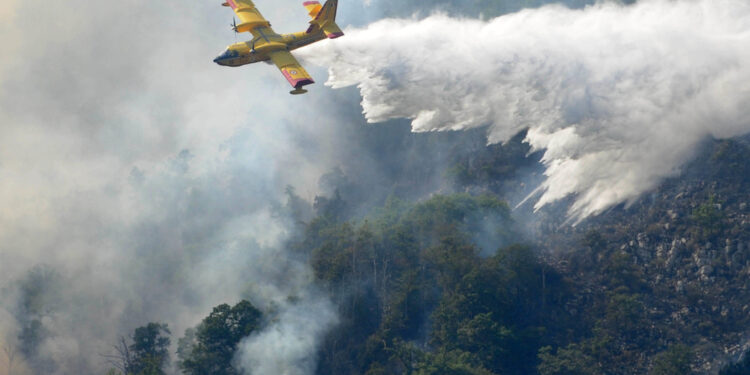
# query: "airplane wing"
{"type": "Point", "coordinates": [291, 69]}
{"type": "Point", "coordinates": [250, 17]}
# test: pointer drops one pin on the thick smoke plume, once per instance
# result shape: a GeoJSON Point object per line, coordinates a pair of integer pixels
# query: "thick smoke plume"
{"type": "Point", "coordinates": [138, 179]}
{"type": "Point", "coordinates": [288, 346]}
{"type": "Point", "coordinates": [617, 96]}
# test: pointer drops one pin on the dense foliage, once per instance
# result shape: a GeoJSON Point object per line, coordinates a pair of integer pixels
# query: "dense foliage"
{"type": "Point", "coordinates": [147, 354]}
{"type": "Point", "coordinates": [452, 284]}
{"type": "Point", "coordinates": [149, 350]}
{"type": "Point", "coordinates": [647, 289]}
{"type": "Point", "coordinates": [418, 295]}
{"type": "Point", "coordinates": [210, 348]}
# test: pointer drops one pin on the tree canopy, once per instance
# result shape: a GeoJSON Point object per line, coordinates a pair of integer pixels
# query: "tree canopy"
{"type": "Point", "coordinates": [209, 348]}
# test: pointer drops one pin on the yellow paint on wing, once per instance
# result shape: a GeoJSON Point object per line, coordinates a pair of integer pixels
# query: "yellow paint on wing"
{"type": "Point", "coordinates": [250, 17]}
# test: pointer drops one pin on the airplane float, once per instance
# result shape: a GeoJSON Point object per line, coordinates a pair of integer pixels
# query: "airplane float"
{"type": "Point", "coordinates": [268, 45]}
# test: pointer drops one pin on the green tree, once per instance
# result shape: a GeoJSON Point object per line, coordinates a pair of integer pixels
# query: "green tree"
{"type": "Point", "coordinates": [39, 296]}
{"type": "Point", "coordinates": [391, 271]}
{"type": "Point", "coordinates": [215, 340]}
{"type": "Point", "coordinates": [625, 317]}
{"type": "Point", "coordinates": [570, 360]}
{"type": "Point", "coordinates": [709, 217]}
{"type": "Point", "coordinates": [449, 363]}
{"type": "Point", "coordinates": [622, 275]}
{"type": "Point", "coordinates": [674, 361]}
{"type": "Point", "coordinates": [495, 311]}
{"type": "Point", "coordinates": [150, 350]}
{"type": "Point", "coordinates": [147, 355]}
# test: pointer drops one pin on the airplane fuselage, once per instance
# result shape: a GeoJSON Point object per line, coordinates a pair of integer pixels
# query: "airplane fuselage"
{"type": "Point", "coordinates": [258, 49]}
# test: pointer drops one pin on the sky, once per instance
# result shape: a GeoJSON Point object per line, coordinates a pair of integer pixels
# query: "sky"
{"type": "Point", "coordinates": [141, 182]}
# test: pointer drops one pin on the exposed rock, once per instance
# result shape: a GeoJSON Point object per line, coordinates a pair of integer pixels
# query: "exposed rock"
{"type": "Point", "coordinates": [660, 252]}
{"type": "Point", "coordinates": [680, 286]}
{"type": "Point", "coordinates": [672, 214]}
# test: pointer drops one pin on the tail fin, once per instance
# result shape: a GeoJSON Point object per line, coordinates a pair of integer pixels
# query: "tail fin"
{"type": "Point", "coordinates": [325, 18]}
{"type": "Point", "coordinates": [313, 7]}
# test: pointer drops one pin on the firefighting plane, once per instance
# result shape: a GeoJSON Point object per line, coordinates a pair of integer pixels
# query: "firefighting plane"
{"type": "Point", "coordinates": [268, 45]}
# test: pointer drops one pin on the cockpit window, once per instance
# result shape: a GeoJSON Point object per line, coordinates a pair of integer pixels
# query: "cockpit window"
{"type": "Point", "coordinates": [229, 54]}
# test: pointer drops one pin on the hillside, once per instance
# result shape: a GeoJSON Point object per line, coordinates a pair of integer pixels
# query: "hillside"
{"type": "Point", "coordinates": [459, 282]}
{"type": "Point", "coordinates": [620, 293]}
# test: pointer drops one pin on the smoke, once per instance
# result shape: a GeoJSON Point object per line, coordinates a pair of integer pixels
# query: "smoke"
{"type": "Point", "coordinates": [138, 180]}
{"type": "Point", "coordinates": [298, 314]}
{"type": "Point", "coordinates": [288, 345]}
{"type": "Point", "coordinates": [617, 96]}
{"type": "Point", "coordinates": [188, 241]}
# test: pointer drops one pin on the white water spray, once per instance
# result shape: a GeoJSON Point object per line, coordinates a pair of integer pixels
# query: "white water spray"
{"type": "Point", "coordinates": [617, 96]}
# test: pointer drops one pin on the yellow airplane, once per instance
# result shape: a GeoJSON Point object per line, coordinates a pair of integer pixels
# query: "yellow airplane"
{"type": "Point", "coordinates": [268, 45]}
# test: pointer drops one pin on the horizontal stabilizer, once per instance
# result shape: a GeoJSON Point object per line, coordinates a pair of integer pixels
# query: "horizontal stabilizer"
{"type": "Point", "coordinates": [332, 31]}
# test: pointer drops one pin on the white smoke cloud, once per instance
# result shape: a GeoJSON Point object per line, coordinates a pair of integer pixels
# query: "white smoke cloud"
{"type": "Point", "coordinates": [617, 96]}
{"type": "Point", "coordinates": [289, 345]}
{"type": "Point", "coordinates": [139, 172]}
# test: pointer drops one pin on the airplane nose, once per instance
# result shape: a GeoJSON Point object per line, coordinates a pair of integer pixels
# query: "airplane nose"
{"type": "Point", "coordinates": [216, 60]}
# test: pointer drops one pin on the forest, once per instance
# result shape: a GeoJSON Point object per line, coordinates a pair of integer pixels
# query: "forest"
{"type": "Point", "coordinates": [459, 283]}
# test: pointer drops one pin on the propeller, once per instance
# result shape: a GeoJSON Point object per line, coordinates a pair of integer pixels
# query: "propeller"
{"type": "Point", "coordinates": [234, 27]}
